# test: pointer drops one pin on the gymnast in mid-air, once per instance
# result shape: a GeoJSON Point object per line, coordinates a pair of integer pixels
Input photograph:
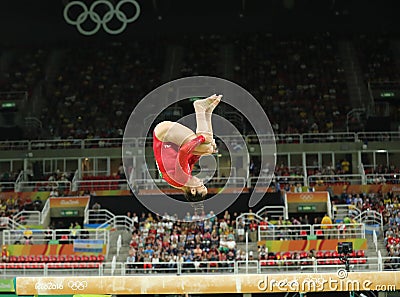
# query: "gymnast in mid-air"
{"type": "Point", "coordinates": [177, 149]}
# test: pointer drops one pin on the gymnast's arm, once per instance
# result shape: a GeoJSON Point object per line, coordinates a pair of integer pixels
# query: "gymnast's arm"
{"type": "Point", "coordinates": [183, 170]}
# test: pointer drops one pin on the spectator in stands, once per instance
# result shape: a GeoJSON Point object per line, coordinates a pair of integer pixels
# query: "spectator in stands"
{"type": "Point", "coordinates": [305, 220]}
{"type": "Point", "coordinates": [326, 223]}
{"type": "Point", "coordinates": [264, 224]}
{"type": "Point", "coordinates": [3, 221]}
{"type": "Point", "coordinates": [240, 230]}
{"type": "Point", "coordinates": [253, 228]}
{"type": "Point", "coordinates": [345, 166]}
{"type": "Point", "coordinates": [298, 188]}
{"type": "Point", "coordinates": [130, 260]}
{"type": "Point", "coordinates": [37, 204]}
{"type": "Point", "coordinates": [121, 171]}
{"type": "Point", "coordinates": [5, 254]}
{"type": "Point", "coordinates": [54, 192]}
{"type": "Point", "coordinates": [28, 236]}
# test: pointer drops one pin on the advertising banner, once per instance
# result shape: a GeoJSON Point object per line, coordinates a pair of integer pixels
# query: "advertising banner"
{"type": "Point", "coordinates": [210, 284]}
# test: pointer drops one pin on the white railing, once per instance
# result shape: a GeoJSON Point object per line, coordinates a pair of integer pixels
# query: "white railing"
{"type": "Point", "coordinates": [378, 136]}
{"type": "Point", "coordinates": [313, 265]}
{"type": "Point", "coordinates": [27, 145]}
{"type": "Point", "coordinates": [376, 178]}
{"type": "Point", "coordinates": [345, 210]}
{"type": "Point", "coordinates": [28, 217]}
{"type": "Point", "coordinates": [20, 178]}
{"type": "Point", "coordinates": [104, 218]}
{"type": "Point", "coordinates": [119, 244]}
{"type": "Point", "coordinates": [7, 186]}
{"type": "Point", "coordinates": [247, 217]}
{"type": "Point", "coordinates": [22, 145]}
{"type": "Point", "coordinates": [101, 184]}
{"type": "Point", "coordinates": [336, 231]}
{"type": "Point", "coordinates": [43, 236]}
{"type": "Point", "coordinates": [283, 138]}
{"type": "Point", "coordinates": [222, 182]}
{"type": "Point", "coordinates": [272, 212]}
{"type": "Point", "coordinates": [354, 179]}
{"type": "Point", "coordinates": [375, 240]}
{"type": "Point", "coordinates": [113, 265]}
{"type": "Point", "coordinates": [43, 186]}
{"type": "Point", "coordinates": [307, 265]}
{"type": "Point", "coordinates": [264, 181]}
{"type": "Point", "coordinates": [45, 212]}
{"type": "Point", "coordinates": [371, 218]}
{"type": "Point", "coordinates": [321, 231]}
{"type": "Point", "coordinates": [74, 180]}
{"type": "Point", "coordinates": [55, 144]}
{"type": "Point", "coordinates": [86, 214]}
{"type": "Point", "coordinates": [9, 223]}
{"type": "Point", "coordinates": [329, 137]}
{"type": "Point", "coordinates": [380, 261]}
{"type": "Point", "coordinates": [94, 216]}
{"type": "Point", "coordinates": [284, 232]}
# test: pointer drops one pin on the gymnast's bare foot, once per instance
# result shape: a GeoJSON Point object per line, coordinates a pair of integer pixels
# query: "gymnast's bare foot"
{"type": "Point", "coordinates": [208, 104]}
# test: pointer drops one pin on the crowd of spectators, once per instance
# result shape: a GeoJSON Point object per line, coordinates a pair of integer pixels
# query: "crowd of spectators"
{"type": "Point", "coordinates": [10, 206]}
{"type": "Point", "coordinates": [157, 240]}
{"type": "Point", "coordinates": [97, 87]}
{"type": "Point", "coordinates": [201, 55]}
{"type": "Point", "coordinates": [376, 57]}
{"type": "Point", "coordinates": [26, 69]}
{"type": "Point", "coordinates": [298, 80]}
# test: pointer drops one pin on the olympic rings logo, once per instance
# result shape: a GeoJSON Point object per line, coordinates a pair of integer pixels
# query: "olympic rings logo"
{"type": "Point", "coordinates": [97, 19]}
{"type": "Point", "coordinates": [77, 285]}
{"type": "Point", "coordinates": [306, 197]}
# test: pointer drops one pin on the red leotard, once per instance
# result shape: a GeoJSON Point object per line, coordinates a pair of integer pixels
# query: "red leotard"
{"type": "Point", "coordinates": [176, 163]}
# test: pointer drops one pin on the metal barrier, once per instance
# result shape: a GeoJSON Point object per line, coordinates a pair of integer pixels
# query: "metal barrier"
{"type": "Point", "coordinates": [27, 145]}
{"type": "Point", "coordinates": [378, 136]}
{"type": "Point", "coordinates": [222, 182]}
{"type": "Point", "coordinates": [45, 212]}
{"type": "Point", "coordinates": [103, 218]}
{"type": "Point", "coordinates": [284, 232]}
{"type": "Point", "coordinates": [43, 236]}
{"type": "Point", "coordinates": [354, 179]}
{"type": "Point", "coordinates": [247, 217]}
{"type": "Point", "coordinates": [321, 231]}
{"type": "Point", "coordinates": [329, 137]}
{"type": "Point", "coordinates": [22, 145]}
{"type": "Point", "coordinates": [28, 217]}
{"type": "Point", "coordinates": [10, 224]}
{"type": "Point", "coordinates": [375, 240]}
{"type": "Point", "coordinates": [264, 181]}
{"type": "Point", "coordinates": [372, 219]}
{"type": "Point", "coordinates": [7, 186]}
{"type": "Point", "coordinates": [56, 144]}
{"type": "Point", "coordinates": [43, 186]}
{"type": "Point", "coordinates": [339, 231]}
{"type": "Point", "coordinates": [309, 265]}
{"type": "Point", "coordinates": [377, 178]}
{"type": "Point", "coordinates": [288, 138]}
{"type": "Point", "coordinates": [103, 143]}
{"type": "Point", "coordinates": [272, 212]}
{"type": "Point", "coordinates": [98, 216]}
{"type": "Point", "coordinates": [101, 184]}
{"type": "Point", "coordinates": [340, 211]}
{"type": "Point", "coordinates": [8, 270]}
